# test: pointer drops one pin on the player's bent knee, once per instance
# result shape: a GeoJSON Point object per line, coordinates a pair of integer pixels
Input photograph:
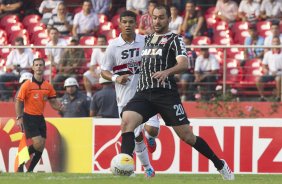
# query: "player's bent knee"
{"type": "Point", "coordinates": [130, 120]}
{"type": "Point", "coordinates": [152, 131]}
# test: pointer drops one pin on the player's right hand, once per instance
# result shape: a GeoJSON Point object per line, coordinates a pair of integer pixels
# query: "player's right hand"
{"type": "Point", "coordinates": [20, 124]}
{"type": "Point", "coordinates": [122, 79]}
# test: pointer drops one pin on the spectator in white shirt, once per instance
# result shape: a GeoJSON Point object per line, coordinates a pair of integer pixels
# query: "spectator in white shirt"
{"type": "Point", "coordinates": [101, 6]}
{"type": "Point", "coordinates": [137, 6]}
{"type": "Point", "coordinates": [206, 71]}
{"type": "Point", "coordinates": [54, 54]}
{"type": "Point", "coordinates": [47, 8]}
{"type": "Point", "coordinates": [249, 11]}
{"type": "Point", "coordinates": [227, 10]}
{"type": "Point", "coordinates": [271, 9]}
{"type": "Point", "coordinates": [176, 20]}
{"type": "Point", "coordinates": [91, 77]}
{"type": "Point", "coordinates": [18, 61]}
{"type": "Point", "coordinates": [275, 32]}
{"type": "Point", "coordinates": [272, 69]}
{"type": "Point", "coordinates": [62, 20]}
{"type": "Point", "coordinates": [85, 22]}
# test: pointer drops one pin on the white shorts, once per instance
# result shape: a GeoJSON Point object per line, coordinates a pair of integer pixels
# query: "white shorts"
{"type": "Point", "coordinates": [153, 121]}
{"type": "Point", "coordinates": [92, 79]}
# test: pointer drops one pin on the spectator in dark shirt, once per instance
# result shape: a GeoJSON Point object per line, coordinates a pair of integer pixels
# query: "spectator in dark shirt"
{"type": "Point", "coordinates": [103, 103]}
{"type": "Point", "coordinates": [75, 102]}
{"type": "Point", "coordinates": [194, 22]}
{"type": "Point", "coordinates": [10, 7]}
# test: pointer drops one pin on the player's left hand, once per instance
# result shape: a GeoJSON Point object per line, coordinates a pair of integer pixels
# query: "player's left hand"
{"type": "Point", "coordinates": [161, 76]}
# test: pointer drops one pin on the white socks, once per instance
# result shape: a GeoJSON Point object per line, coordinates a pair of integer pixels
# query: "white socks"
{"type": "Point", "coordinates": [142, 154]}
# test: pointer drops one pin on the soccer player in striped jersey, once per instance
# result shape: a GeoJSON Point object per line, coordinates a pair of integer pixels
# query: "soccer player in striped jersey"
{"type": "Point", "coordinates": [164, 55]}
{"type": "Point", "coordinates": [123, 57]}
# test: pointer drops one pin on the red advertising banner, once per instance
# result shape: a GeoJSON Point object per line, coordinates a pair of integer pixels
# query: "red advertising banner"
{"type": "Point", "coordinates": [248, 145]}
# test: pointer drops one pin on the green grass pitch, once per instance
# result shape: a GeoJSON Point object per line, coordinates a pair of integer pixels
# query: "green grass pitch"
{"type": "Point", "coordinates": [62, 178]}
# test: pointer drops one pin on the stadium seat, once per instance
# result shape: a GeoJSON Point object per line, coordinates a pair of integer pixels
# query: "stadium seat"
{"type": "Point", "coordinates": [102, 18]}
{"type": "Point", "coordinates": [240, 36]}
{"type": "Point", "coordinates": [233, 72]}
{"type": "Point", "coordinates": [4, 52]}
{"type": "Point", "coordinates": [115, 21]}
{"type": "Point", "coordinates": [14, 27]}
{"type": "Point", "coordinates": [42, 34]}
{"type": "Point", "coordinates": [221, 26]}
{"type": "Point", "coordinates": [106, 26]}
{"type": "Point", "coordinates": [110, 34]}
{"type": "Point", "coordinates": [8, 20]}
{"type": "Point", "coordinates": [235, 53]}
{"type": "Point", "coordinates": [239, 26]}
{"type": "Point", "coordinates": [201, 40]}
{"type": "Point", "coordinates": [210, 10]}
{"type": "Point", "coordinates": [224, 41]}
{"type": "Point", "coordinates": [3, 37]}
{"type": "Point", "coordinates": [19, 33]}
{"type": "Point", "coordinates": [36, 27]}
{"type": "Point", "coordinates": [263, 28]}
{"type": "Point", "coordinates": [30, 20]}
{"type": "Point", "coordinates": [90, 41]}
{"type": "Point", "coordinates": [211, 20]}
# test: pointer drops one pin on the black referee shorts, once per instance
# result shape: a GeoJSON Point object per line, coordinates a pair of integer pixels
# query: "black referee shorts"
{"type": "Point", "coordinates": [34, 125]}
{"type": "Point", "coordinates": [163, 101]}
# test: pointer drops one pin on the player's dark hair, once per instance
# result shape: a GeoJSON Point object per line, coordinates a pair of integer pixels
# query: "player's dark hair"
{"type": "Point", "coordinates": [153, 2]}
{"type": "Point", "coordinates": [127, 13]}
{"type": "Point", "coordinates": [191, 2]}
{"type": "Point", "coordinates": [38, 59]}
{"type": "Point", "coordinates": [167, 9]}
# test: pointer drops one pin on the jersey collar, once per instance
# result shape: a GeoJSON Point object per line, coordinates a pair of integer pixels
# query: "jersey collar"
{"type": "Point", "coordinates": [168, 33]}
{"type": "Point", "coordinates": [36, 81]}
{"type": "Point", "coordinates": [138, 38]}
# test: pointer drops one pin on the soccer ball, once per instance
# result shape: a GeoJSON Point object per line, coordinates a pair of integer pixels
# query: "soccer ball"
{"type": "Point", "coordinates": [122, 164]}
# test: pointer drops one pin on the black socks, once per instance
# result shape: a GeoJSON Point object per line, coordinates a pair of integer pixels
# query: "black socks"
{"type": "Point", "coordinates": [202, 147]}
{"type": "Point", "coordinates": [128, 143]}
{"type": "Point", "coordinates": [34, 160]}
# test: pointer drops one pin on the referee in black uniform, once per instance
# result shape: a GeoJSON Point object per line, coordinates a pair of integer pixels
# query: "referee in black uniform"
{"type": "Point", "coordinates": [163, 56]}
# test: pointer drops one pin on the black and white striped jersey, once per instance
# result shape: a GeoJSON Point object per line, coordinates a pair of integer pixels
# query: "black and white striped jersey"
{"type": "Point", "coordinates": [160, 53]}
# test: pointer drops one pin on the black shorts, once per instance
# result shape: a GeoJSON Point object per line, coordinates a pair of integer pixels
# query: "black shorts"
{"type": "Point", "coordinates": [163, 101]}
{"type": "Point", "coordinates": [34, 125]}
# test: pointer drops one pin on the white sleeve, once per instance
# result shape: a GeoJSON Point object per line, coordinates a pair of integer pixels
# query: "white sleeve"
{"type": "Point", "coordinates": [75, 19]}
{"type": "Point", "coordinates": [265, 58]}
{"type": "Point", "coordinates": [93, 57]}
{"type": "Point", "coordinates": [215, 64]}
{"type": "Point", "coordinates": [30, 58]}
{"type": "Point", "coordinates": [129, 4]}
{"type": "Point", "coordinates": [42, 6]}
{"type": "Point", "coordinates": [197, 64]}
{"type": "Point", "coordinates": [109, 60]}
{"type": "Point", "coordinates": [257, 10]}
{"type": "Point", "coordinates": [240, 9]}
{"type": "Point", "coordinates": [10, 57]}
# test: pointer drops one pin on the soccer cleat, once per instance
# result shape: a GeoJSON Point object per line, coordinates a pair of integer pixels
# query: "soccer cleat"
{"type": "Point", "coordinates": [151, 144]}
{"type": "Point", "coordinates": [225, 172]}
{"type": "Point", "coordinates": [149, 173]}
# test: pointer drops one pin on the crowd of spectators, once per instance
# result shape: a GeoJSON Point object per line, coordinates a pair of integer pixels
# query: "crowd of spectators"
{"type": "Point", "coordinates": [95, 22]}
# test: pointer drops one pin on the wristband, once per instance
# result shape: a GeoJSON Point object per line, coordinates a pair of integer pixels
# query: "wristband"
{"type": "Point", "coordinates": [114, 77]}
{"type": "Point", "coordinates": [19, 117]}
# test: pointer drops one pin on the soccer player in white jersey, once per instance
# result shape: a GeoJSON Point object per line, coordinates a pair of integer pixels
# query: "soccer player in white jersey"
{"type": "Point", "coordinates": [123, 57]}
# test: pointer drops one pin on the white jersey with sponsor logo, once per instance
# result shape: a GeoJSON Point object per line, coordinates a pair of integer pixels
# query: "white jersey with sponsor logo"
{"type": "Point", "coordinates": [124, 58]}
